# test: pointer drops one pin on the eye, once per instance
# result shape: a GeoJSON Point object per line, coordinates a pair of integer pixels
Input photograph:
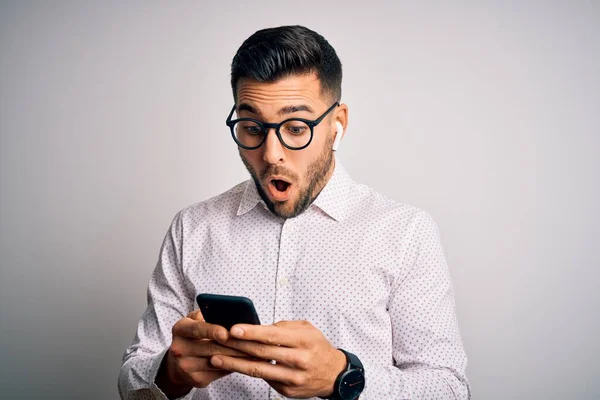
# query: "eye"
{"type": "Point", "coordinates": [295, 128]}
{"type": "Point", "coordinates": [252, 130]}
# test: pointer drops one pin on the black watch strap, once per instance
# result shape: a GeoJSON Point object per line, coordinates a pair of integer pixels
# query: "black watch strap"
{"type": "Point", "coordinates": [352, 363]}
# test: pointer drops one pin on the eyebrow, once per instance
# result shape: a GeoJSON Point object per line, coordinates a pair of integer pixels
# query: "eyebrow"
{"type": "Point", "coordinates": [293, 109]}
{"type": "Point", "coordinates": [283, 111]}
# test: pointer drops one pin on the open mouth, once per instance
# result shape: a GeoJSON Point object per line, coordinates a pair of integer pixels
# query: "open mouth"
{"type": "Point", "coordinates": [280, 185]}
{"type": "Point", "coordinates": [279, 189]}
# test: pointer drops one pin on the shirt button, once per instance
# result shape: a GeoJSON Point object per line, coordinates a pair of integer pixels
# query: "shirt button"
{"type": "Point", "coordinates": [283, 281]}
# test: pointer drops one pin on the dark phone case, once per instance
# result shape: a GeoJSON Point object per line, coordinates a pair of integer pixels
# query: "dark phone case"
{"type": "Point", "coordinates": [227, 311]}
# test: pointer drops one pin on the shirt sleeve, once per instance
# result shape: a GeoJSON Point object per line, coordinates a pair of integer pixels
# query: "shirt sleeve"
{"type": "Point", "coordinates": [168, 301]}
{"type": "Point", "coordinates": [429, 361]}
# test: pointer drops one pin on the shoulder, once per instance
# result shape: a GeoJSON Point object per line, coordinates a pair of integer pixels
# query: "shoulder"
{"type": "Point", "coordinates": [380, 206]}
{"type": "Point", "coordinates": [404, 229]}
{"type": "Point", "coordinates": [387, 214]}
{"type": "Point", "coordinates": [221, 207]}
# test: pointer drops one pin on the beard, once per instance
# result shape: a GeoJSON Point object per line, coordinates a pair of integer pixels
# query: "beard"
{"type": "Point", "coordinates": [315, 178]}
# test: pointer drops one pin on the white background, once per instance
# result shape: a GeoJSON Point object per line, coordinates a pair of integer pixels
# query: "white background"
{"type": "Point", "coordinates": [485, 115]}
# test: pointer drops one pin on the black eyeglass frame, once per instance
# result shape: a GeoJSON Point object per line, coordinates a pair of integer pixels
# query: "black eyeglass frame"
{"type": "Point", "coordinates": [265, 126]}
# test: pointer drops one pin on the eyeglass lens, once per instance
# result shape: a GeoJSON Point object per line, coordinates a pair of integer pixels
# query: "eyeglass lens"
{"type": "Point", "coordinates": [294, 133]}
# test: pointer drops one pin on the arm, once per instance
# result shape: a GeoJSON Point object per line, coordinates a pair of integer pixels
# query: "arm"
{"type": "Point", "coordinates": [429, 359]}
{"type": "Point", "coordinates": [168, 302]}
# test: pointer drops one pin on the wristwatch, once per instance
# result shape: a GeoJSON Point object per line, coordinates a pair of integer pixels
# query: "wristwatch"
{"type": "Point", "coordinates": [351, 381]}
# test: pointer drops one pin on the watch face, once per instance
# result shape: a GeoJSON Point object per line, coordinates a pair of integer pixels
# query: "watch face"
{"type": "Point", "coordinates": [352, 384]}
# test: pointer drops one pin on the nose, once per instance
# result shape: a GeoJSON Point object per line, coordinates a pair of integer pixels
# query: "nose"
{"type": "Point", "coordinates": [273, 151]}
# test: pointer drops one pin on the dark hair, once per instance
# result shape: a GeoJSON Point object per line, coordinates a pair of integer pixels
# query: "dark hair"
{"type": "Point", "coordinates": [274, 53]}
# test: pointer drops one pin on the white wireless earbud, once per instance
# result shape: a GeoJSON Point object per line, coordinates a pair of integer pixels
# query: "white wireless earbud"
{"type": "Point", "coordinates": [338, 136]}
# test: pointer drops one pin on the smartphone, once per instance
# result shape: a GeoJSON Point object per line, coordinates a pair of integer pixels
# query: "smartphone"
{"type": "Point", "coordinates": [227, 311]}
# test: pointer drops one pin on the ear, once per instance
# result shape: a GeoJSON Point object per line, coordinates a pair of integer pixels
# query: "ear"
{"type": "Point", "coordinates": [338, 135]}
{"type": "Point", "coordinates": [340, 121]}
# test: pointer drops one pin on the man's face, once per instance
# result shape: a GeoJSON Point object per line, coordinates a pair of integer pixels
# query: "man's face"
{"type": "Point", "coordinates": [289, 180]}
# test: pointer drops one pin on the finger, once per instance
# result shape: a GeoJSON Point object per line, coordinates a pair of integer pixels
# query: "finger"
{"type": "Point", "coordinates": [191, 365]}
{"type": "Point", "coordinates": [289, 334]}
{"type": "Point", "coordinates": [204, 348]}
{"type": "Point", "coordinates": [256, 369]}
{"type": "Point", "coordinates": [196, 315]}
{"type": "Point", "coordinates": [282, 354]}
{"type": "Point", "coordinates": [192, 329]}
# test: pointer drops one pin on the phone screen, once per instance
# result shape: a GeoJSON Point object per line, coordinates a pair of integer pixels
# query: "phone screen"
{"type": "Point", "coordinates": [226, 310]}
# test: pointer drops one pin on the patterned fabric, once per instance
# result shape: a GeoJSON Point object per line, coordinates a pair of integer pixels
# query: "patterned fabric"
{"type": "Point", "coordinates": [369, 272]}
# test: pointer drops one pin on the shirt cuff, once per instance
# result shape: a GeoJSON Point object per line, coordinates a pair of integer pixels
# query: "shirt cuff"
{"type": "Point", "coordinates": [153, 371]}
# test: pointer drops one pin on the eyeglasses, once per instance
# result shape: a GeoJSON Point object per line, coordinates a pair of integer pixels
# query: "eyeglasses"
{"type": "Point", "coordinates": [293, 133]}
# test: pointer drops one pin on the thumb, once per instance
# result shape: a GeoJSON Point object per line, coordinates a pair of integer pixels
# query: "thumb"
{"type": "Point", "coordinates": [196, 315]}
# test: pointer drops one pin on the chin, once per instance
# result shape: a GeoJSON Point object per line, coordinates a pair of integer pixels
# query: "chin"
{"type": "Point", "coordinates": [285, 210]}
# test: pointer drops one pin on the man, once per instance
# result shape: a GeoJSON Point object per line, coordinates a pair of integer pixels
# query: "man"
{"type": "Point", "coordinates": [352, 288]}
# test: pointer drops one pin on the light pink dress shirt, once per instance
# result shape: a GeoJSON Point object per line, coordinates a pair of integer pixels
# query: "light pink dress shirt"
{"type": "Point", "coordinates": [369, 272]}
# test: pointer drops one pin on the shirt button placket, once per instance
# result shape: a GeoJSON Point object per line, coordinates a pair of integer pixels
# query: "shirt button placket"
{"type": "Point", "coordinates": [283, 309]}
{"type": "Point", "coordinates": [283, 306]}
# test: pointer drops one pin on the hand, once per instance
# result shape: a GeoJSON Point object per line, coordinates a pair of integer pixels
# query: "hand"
{"type": "Point", "coordinates": [186, 364]}
{"type": "Point", "coordinates": [307, 365]}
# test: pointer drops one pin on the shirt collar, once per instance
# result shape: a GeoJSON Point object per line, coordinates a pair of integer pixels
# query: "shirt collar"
{"type": "Point", "coordinates": [250, 198]}
{"type": "Point", "coordinates": [334, 199]}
